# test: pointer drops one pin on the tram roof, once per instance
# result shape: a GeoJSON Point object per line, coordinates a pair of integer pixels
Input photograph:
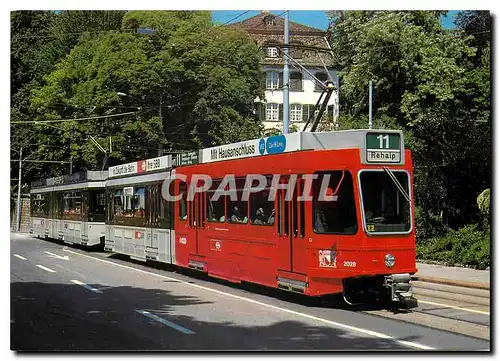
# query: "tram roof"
{"type": "Point", "coordinates": [80, 177]}
{"type": "Point", "coordinates": [377, 146]}
{"type": "Point", "coordinates": [388, 150]}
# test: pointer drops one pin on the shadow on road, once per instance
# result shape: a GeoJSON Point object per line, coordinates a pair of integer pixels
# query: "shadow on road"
{"type": "Point", "coordinates": [330, 301]}
{"type": "Point", "coordinates": [65, 317]}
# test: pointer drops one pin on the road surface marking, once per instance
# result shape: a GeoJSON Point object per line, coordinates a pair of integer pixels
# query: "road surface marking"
{"type": "Point", "coordinates": [454, 307]}
{"type": "Point", "coordinates": [165, 322]}
{"type": "Point", "coordinates": [332, 323]}
{"type": "Point", "coordinates": [86, 286]}
{"type": "Point", "coordinates": [45, 268]}
{"type": "Point", "coordinates": [20, 257]}
{"type": "Point", "coordinates": [66, 258]}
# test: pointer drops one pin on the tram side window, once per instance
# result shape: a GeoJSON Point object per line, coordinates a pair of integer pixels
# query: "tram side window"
{"type": "Point", "coordinates": [336, 216]}
{"type": "Point", "coordinates": [97, 205]}
{"type": "Point", "coordinates": [151, 205]}
{"type": "Point", "coordinates": [182, 201]}
{"type": "Point", "coordinates": [118, 202]}
{"type": "Point", "coordinates": [215, 208]}
{"type": "Point", "coordinates": [302, 212]}
{"type": "Point", "coordinates": [134, 202]}
{"type": "Point", "coordinates": [40, 205]}
{"type": "Point", "coordinates": [72, 203]}
{"type": "Point", "coordinates": [261, 208]}
{"type": "Point", "coordinates": [237, 211]}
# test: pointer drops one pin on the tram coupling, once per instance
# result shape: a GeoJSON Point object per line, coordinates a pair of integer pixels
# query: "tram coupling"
{"type": "Point", "coordinates": [400, 290]}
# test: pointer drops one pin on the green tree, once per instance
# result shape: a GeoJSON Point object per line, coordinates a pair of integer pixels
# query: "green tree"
{"type": "Point", "coordinates": [189, 83]}
{"type": "Point", "coordinates": [28, 33]}
{"type": "Point", "coordinates": [39, 40]}
{"type": "Point", "coordinates": [425, 83]}
{"type": "Point", "coordinates": [478, 25]}
{"type": "Point", "coordinates": [68, 28]}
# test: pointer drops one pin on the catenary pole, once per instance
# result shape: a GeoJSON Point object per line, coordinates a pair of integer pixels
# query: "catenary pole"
{"type": "Point", "coordinates": [18, 216]}
{"type": "Point", "coordinates": [286, 78]}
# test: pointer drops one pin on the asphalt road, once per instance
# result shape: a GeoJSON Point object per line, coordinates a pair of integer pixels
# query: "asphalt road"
{"type": "Point", "coordinates": [64, 298]}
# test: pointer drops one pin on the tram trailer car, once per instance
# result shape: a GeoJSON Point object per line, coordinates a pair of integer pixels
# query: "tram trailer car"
{"type": "Point", "coordinates": [139, 223]}
{"type": "Point", "coordinates": [40, 208]}
{"type": "Point", "coordinates": [70, 208]}
{"type": "Point", "coordinates": [362, 245]}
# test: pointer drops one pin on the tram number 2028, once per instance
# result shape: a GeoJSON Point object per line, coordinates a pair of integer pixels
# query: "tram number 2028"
{"type": "Point", "coordinates": [349, 263]}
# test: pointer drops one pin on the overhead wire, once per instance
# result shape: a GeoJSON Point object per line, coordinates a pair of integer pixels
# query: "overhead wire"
{"type": "Point", "coordinates": [236, 17]}
{"type": "Point", "coordinates": [72, 119]}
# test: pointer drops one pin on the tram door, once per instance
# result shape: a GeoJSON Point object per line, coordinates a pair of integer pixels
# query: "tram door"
{"type": "Point", "coordinates": [196, 221]}
{"type": "Point", "coordinates": [290, 218]}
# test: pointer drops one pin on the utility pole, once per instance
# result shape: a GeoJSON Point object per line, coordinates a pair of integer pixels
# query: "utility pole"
{"type": "Point", "coordinates": [370, 123]}
{"type": "Point", "coordinates": [286, 79]}
{"type": "Point", "coordinates": [18, 216]}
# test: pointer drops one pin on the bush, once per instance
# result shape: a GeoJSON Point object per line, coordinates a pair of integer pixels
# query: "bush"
{"type": "Point", "coordinates": [428, 227]}
{"type": "Point", "coordinates": [468, 246]}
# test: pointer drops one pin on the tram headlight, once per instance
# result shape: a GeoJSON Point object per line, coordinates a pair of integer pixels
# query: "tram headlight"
{"type": "Point", "coordinates": [390, 260]}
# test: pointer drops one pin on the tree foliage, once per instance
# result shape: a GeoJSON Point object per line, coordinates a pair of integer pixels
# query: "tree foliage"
{"type": "Point", "coordinates": [478, 25]}
{"type": "Point", "coordinates": [426, 82]}
{"type": "Point", "coordinates": [189, 84]}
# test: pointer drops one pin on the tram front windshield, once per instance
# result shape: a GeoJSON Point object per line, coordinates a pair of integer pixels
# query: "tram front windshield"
{"type": "Point", "coordinates": [386, 206]}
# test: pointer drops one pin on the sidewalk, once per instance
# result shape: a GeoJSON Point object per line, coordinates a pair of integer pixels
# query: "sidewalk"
{"type": "Point", "coordinates": [453, 275]}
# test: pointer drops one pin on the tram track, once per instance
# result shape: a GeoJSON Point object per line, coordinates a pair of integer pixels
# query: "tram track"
{"type": "Point", "coordinates": [456, 309]}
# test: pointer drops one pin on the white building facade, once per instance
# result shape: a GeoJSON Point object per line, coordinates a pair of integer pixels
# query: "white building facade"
{"type": "Point", "coordinates": [304, 91]}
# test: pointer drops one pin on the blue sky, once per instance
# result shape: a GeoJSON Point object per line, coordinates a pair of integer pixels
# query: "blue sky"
{"type": "Point", "coordinates": [314, 18]}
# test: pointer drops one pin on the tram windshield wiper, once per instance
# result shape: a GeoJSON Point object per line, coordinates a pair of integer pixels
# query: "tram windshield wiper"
{"type": "Point", "coordinates": [398, 185]}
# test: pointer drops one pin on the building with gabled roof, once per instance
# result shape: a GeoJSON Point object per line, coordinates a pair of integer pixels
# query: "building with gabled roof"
{"type": "Point", "coordinates": [267, 30]}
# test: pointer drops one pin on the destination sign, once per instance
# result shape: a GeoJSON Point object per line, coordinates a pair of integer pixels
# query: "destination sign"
{"type": "Point", "coordinates": [383, 147]}
{"type": "Point", "coordinates": [123, 169]}
{"type": "Point", "coordinates": [187, 158]}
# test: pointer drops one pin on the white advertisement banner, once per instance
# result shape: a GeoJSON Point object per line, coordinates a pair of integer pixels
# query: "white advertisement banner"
{"type": "Point", "coordinates": [141, 166]}
{"type": "Point", "coordinates": [252, 148]}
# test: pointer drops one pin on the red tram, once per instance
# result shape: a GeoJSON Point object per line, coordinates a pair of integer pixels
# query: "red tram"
{"type": "Point", "coordinates": [362, 244]}
{"type": "Point", "coordinates": [313, 213]}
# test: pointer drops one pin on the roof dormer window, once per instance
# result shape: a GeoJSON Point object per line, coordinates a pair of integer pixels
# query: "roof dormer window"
{"type": "Point", "coordinates": [269, 20]}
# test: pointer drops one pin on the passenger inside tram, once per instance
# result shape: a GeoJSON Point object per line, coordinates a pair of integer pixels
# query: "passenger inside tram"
{"type": "Point", "coordinates": [260, 217]}
{"type": "Point", "coordinates": [237, 217]}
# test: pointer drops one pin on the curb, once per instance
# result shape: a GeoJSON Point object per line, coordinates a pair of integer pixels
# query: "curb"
{"type": "Point", "coordinates": [444, 281]}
